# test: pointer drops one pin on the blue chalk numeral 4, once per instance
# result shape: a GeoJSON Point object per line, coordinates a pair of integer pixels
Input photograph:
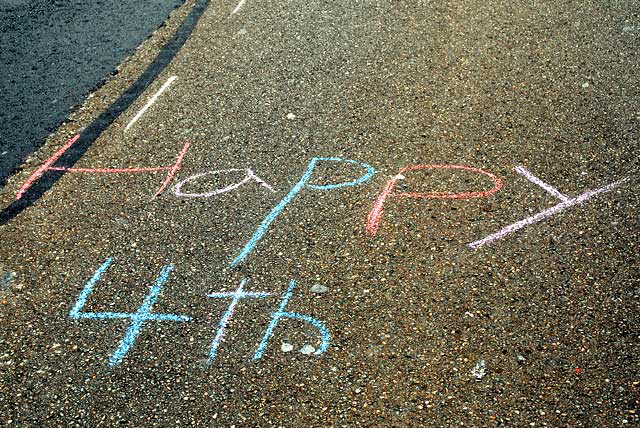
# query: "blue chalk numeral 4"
{"type": "Point", "coordinates": [138, 318]}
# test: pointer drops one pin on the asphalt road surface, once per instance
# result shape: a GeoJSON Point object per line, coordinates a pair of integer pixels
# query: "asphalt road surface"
{"type": "Point", "coordinates": [53, 53]}
{"type": "Point", "coordinates": [364, 213]}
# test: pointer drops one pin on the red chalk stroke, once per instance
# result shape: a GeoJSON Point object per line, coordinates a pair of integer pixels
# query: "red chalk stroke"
{"type": "Point", "coordinates": [374, 217]}
{"type": "Point", "coordinates": [172, 169]}
{"type": "Point", "coordinates": [44, 167]}
{"type": "Point", "coordinates": [109, 170]}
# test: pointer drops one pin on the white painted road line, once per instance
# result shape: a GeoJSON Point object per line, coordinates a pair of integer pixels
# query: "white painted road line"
{"type": "Point", "coordinates": [151, 101]}
{"type": "Point", "coordinates": [238, 7]}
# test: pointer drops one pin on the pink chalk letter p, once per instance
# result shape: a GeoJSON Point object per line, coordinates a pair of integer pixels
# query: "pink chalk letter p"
{"type": "Point", "coordinates": [375, 216]}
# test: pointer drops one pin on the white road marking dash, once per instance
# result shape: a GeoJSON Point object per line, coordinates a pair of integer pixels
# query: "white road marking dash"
{"type": "Point", "coordinates": [151, 101]}
{"type": "Point", "coordinates": [238, 7]}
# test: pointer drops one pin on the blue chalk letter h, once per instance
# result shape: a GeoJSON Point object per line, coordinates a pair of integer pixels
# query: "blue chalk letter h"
{"type": "Point", "coordinates": [280, 313]}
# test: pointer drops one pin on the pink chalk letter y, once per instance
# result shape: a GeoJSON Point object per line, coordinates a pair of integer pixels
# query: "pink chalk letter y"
{"type": "Point", "coordinates": [566, 203]}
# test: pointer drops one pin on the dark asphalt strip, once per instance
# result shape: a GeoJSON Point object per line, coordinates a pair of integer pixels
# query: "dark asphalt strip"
{"type": "Point", "coordinates": [102, 122]}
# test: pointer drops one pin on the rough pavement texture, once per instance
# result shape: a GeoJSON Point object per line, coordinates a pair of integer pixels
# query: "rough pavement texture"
{"type": "Point", "coordinates": [53, 53]}
{"type": "Point", "coordinates": [551, 309]}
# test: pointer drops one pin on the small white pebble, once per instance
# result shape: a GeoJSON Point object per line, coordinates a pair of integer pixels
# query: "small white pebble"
{"type": "Point", "coordinates": [319, 288]}
{"type": "Point", "coordinates": [286, 347]}
{"type": "Point", "coordinates": [479, 370]}
{"type": "Point", "coordinates": [307, 350]}
{"type": "Point", "coordinates": [291, 116]}
{"type": "Point", "coordinates": [585, 85]}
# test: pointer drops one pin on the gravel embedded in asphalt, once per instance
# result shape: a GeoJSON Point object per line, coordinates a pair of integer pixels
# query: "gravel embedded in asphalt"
{"type": "Point", "coordinates": [551, 309]}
